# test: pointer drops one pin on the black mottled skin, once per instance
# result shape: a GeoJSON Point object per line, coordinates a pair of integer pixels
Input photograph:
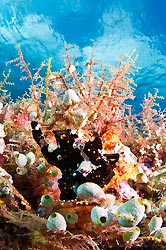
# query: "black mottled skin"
{"type": "Point", "coordinates": [71, 157]}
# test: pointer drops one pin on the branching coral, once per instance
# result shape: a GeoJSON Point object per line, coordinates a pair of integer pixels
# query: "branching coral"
{"type": "Point", "coordinates": [3, 91]}
{"type": "Point", "coordinates": [148, 130]}
{"type": "Point", "coordinates": [106, 90]}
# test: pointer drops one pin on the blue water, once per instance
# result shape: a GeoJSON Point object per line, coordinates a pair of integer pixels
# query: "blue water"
{"type": "Point", "coordinates": [40, 27]}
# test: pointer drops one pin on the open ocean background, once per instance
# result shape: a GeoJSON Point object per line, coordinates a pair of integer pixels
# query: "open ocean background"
{"type": "Point", "coordinates": [40, 28]}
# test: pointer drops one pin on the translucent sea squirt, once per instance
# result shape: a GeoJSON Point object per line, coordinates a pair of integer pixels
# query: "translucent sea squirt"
{"type": "Point", "coordinates": [130, 213]}
{"type": "Point", "coordinates": [101, 216]}
{"type": "Point", "coordinates": [56, 222]}
{"type": "Point", "coordinates": [90, 191]}
{"type": "Point", "coordinates": [131, 234]}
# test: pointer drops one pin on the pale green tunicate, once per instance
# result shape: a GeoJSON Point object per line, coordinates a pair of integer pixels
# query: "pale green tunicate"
{"type": "Point", "coordinates": [54, 172]}
{"type": "Point", "coordinates": [56, 222]}
{"type": "Point", "coordinates": [31, 157]}
{"type": "Point", "coordinates": [90, 191]}
{"type": "Point", "coordinates": [155, 224]}
{"type": "Point", "coordinates": [71, 218]}
{"type": "Point", "coordinates": [132, 234]}
{"type": "Point", "coordinates": [46, 200]}
{"type": "Point", "coordinates": [41, 167]}
{"type": "Point", "coordinates": [161, 233]}
{"type": "Point", "coordinates": [21, 171]}
{"type": "Point", "coordinates": [101, 216]}
{"type": "Point", "coordinates": [130, 213]}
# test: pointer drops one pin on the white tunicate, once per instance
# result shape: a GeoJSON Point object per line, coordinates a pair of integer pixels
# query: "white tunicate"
{"type": "Point", "coordinates": [132, 234]}
{"type": "Point", "coordinates": [16, 154]}
{"type": "Point", "coordinates": [130, 213]}
{"type": "Point", "coordinates": [70, 97]}
{"type": "Point", "coordinates": [90, 191]}
{"type": "Point", "coordinates": [21, 160]}
{"type": "Point", "coordinates": [72, 69]}
{"type": "Point", "coordinates": [56, 222]}
{"type": "Point", "coordinates": [101, 216]}
{"type": "Point", "coordinates": [31, 157]}
{"type": "Point", "coordinates": [155, 224]}
{"type": "Point", "coordinates": [33, 115]}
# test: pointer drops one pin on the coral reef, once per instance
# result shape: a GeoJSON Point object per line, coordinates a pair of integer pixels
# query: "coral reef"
{"type": "Point", "coordinates": [78, 170]}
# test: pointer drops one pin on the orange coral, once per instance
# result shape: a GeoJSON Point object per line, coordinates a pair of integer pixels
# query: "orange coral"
{"type": "Point", "coordinates": [123, 171]}
{"type": "Point", "coordinates": [109, 140]}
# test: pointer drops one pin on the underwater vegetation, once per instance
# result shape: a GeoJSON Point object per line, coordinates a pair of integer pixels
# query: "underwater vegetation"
{"type": "Point", "coordinates": [79, 170]}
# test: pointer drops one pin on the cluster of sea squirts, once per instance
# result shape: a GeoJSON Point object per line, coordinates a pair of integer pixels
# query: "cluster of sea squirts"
{"type": "Point", "coordinates": [85, 181]}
